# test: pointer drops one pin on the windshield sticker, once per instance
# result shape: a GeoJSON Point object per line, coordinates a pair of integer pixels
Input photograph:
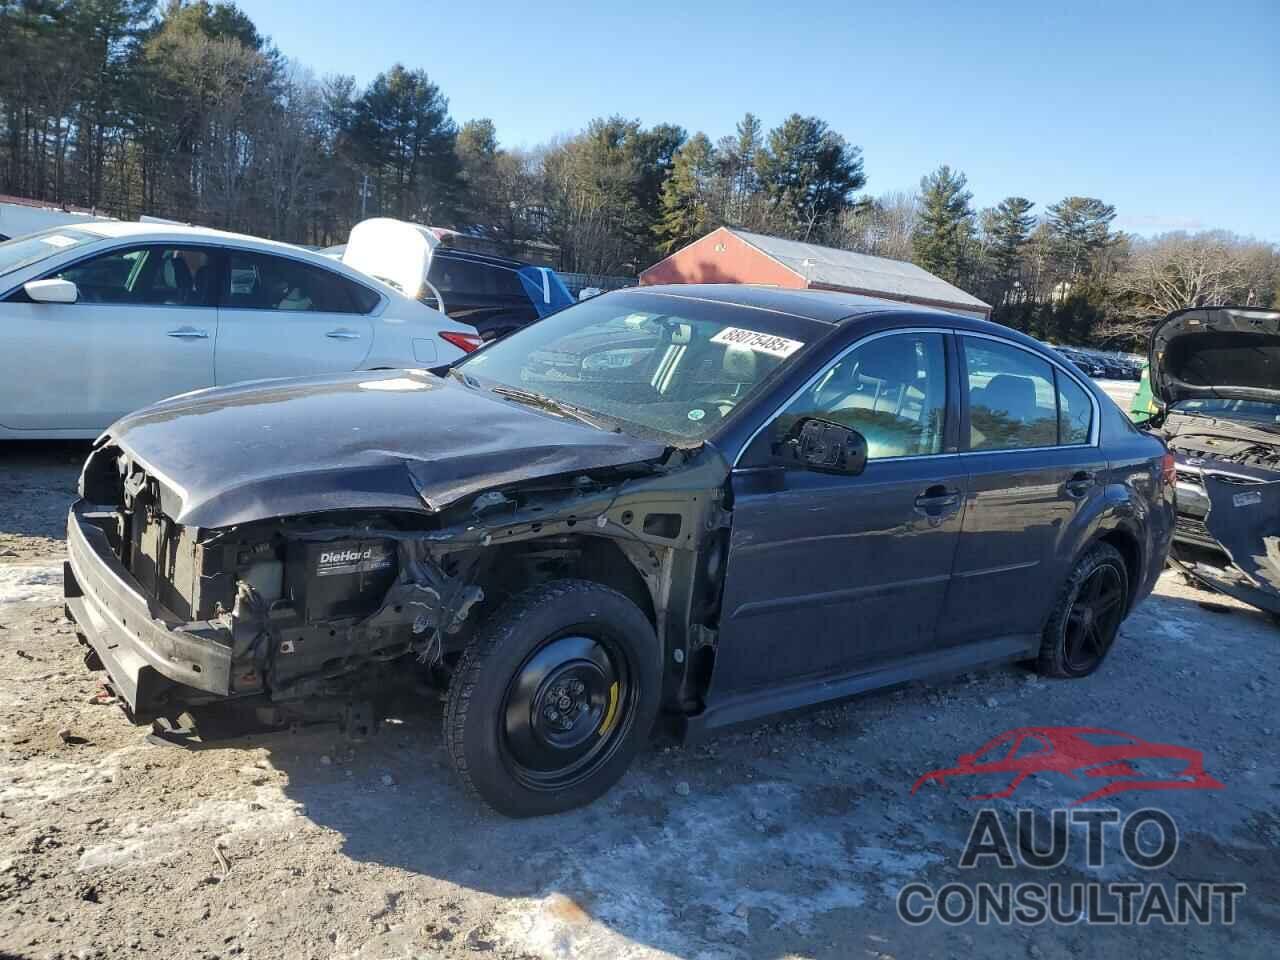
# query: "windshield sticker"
{"type": "Point", "coordinates": [758, 342]}
{"type": "Point", "coordinates": [696, 414]}
{"type": "Point", "coordinates": [58, 240]}
{"type": "Point", "coordinates": [1247, 499]}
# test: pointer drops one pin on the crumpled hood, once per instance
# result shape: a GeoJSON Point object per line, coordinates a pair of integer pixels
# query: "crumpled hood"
{"type": "Point", "coordinates": [394, 440]}
{"type": "Point", "coordinates": [1231, 353]}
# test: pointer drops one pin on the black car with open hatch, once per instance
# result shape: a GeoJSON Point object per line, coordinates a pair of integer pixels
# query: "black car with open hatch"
{"type": "Point", "coordinates": [699, 504]}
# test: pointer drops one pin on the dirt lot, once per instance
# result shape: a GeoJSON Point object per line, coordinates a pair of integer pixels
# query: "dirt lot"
{"type": "Point", "coordinates": [790, 838]}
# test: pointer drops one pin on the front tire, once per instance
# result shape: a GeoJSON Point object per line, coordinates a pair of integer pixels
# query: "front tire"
{"type": "Point", "coordinates": [553, 698]}
{"type": "Point", "coordinates": [1084, 623]}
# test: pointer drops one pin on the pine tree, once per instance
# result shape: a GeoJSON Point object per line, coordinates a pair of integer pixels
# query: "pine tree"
{"type": "Point", "coordinates": [737, 163]}
{"type": "Point", "coordinates": [809, 173]}
{"type": "Point", "coordinates": [686, 212]}
{"type": "Point", "coordinates": [1009, 229]}
{"type": "Point", "coordinates": [944, 229]}
{"type": "Point", "coordinates": [1082, 228]}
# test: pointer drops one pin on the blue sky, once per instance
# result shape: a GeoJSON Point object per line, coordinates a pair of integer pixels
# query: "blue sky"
{"type": "Point", "coordinates": [1170, 110]}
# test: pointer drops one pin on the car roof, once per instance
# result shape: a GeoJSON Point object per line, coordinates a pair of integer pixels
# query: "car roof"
{"type": "Point", "coordinates": [115, 229]}
{"type": "Point", "coordinates": [825, 306]}
{"type": "Point", "coordinates": [488, 259]}
{"type": "Point", "coordinates": [830, 306]}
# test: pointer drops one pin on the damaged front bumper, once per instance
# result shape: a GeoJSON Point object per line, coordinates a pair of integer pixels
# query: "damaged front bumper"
{"type": "Point", "coordinates": [152, 658]}
{"type": "Point", "coordinates": [306, 646]}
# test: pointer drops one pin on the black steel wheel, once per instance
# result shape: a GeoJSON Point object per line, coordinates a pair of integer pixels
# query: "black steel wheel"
{"type": "Point", "coordinates": [567, 708]}
{"type": "Point", "coordinates": [553, 698]}
{"type": "Point", "coordinates": [1087, 617]}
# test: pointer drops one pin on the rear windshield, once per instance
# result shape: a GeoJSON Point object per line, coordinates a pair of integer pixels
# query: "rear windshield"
{"type": "Point", "coordinates": [25, 251]}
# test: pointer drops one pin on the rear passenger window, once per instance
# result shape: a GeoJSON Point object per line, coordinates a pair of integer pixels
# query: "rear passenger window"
{"type": "Point", "coordinates": [1012, 397]}
{"type": "Point", "coordinates": [362, 297]}
{"type": "Point", "coordinates": [507, 283]}
{"type": "Point", "coordinates": [460, 276]}
{"type": "Point", "coordinates": [1075, 411]}
{"type": "Point", "coordinates": [261, 282]}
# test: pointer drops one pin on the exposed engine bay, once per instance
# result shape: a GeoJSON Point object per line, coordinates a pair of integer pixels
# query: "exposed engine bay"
{"type": "Point", "coordinates": [1226, 444]}
{"type": "Point", "coordinates": [300, 608]}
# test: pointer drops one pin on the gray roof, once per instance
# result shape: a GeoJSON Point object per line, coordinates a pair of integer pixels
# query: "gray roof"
{"type": "Point", "coordinates": [859, 271]}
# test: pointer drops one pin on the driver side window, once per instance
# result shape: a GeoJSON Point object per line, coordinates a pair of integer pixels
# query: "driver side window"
{"type": "Point", "coordinates": [892, 390]}
{"type": "Point", "coordinates": [151, 275]}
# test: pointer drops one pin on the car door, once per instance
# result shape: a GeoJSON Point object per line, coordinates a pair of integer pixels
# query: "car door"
{"type": "Point", "coordinates": [830, 574]}
{"type": "Point", "coordinates": [281, 317]}
{"type": "Point", "coordinates": [142, 329]}
{"type": "Point", "coordinates": [1030, 433]}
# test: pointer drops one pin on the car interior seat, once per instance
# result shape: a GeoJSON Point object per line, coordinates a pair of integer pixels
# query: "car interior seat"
{"type": "Point", "coordinates": [1009, 396]}
{"type": "Point", "coordinates": [875, 378]}
{"type": "Point", "coordinates": [173, 285]}
{"type": "Point", "coordinates": [739, 369]}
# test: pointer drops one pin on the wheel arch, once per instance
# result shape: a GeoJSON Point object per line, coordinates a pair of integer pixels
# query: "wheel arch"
{"type": "Point", "coordinates": [1129, 547]}
{"type": "Point", "coordinates": [515, 566]}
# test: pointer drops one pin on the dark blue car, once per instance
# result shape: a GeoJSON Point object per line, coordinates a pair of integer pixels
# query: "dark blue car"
{"type": "Point", "coordinates": [493, 294]}
{"type": "Point", "coordinates": [701, 503]}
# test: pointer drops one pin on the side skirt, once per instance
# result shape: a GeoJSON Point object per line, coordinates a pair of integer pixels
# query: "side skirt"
{"type": "Point", "coordinates": [746, 707]}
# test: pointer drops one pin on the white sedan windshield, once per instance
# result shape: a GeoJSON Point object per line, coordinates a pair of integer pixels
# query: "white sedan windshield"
{"type": "Point", "coordinates": [25, 251]}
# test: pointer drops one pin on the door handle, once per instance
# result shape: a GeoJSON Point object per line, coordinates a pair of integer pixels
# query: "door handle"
{"type": "Point", "coordinates": [188, 333]}
{"type": "Point", "coordinates": [1080, 484]}
{"type": "Point", "coordinates": [938, 501]}
{"type": "Point", "coordinates": [342, 333]}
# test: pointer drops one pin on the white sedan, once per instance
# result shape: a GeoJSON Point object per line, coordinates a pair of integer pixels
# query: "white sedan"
{"type": "Point", "coordinates": [99, 319]}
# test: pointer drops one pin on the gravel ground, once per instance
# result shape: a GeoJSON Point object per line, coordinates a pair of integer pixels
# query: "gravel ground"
{"type": "Point", "coordinates": [789, 838]}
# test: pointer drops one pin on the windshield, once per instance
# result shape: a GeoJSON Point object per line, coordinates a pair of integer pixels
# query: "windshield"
{"type": "Point", "coordinates": [1254, 411]}
{"type": "Point", "coordinates": [24, 251]}
{"type": "Point", "coordinates": [655, 364]}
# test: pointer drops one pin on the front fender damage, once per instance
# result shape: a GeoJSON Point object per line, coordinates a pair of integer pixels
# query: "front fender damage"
{"type": "Point", "coordinates": [645, 531]}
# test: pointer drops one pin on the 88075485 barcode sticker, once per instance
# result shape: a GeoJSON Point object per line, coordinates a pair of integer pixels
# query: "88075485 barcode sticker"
{"type": "Point", "coordinates": [774, 346]}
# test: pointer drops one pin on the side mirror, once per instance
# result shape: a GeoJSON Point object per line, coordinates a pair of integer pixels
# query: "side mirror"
{"type": "Point", "coordinates": [828, 447]}
{"type": "Point", "coordinates": [51, 291]}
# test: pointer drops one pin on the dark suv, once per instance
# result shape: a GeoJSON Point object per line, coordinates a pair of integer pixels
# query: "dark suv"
{"type": "Point", "coordinates": [712, 503]}
{"type": "Point", "coordinates": [493, 294]}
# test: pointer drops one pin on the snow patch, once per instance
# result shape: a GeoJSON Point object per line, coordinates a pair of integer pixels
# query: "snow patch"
{"type": "Point", "coordinates": [30, 583]}
{"type": "Point", "coordinates": [42, 780]}
{"type": "Point", "coordinates": [139, 843]}
{"type": "Point", "coordinates": [729, 861]}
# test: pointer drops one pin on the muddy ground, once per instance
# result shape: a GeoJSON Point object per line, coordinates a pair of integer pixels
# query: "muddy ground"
{"type": "Point", "coordinates": [787, 839]}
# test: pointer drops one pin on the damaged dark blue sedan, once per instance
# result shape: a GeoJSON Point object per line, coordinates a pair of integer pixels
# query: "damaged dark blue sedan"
{"type": "Point", "coordinates": [703, 504]}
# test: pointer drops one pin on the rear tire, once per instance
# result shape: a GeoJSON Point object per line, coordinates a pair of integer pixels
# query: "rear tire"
{"type": "Point", "coordinates": [553, 698]}
{"type": "Point", "coordinates": [1087, 616]}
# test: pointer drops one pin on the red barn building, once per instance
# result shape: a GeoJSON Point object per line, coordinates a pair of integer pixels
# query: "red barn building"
{"type": "Point", "coordinates": [729, 255]}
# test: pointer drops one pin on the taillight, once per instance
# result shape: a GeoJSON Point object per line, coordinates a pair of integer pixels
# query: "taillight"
{"type": "Point", "coordinates": [466, 342]}
{"type": "Point", "coordinates": [1168, 468]}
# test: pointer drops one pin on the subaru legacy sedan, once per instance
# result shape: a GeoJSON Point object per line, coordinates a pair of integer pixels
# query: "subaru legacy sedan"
{"type": "Point", "coordinates": [699, 504]}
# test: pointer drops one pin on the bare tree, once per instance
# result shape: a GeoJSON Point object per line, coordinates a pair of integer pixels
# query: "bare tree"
{"type": "Point", "coordinates": [1179, 270]}
{"type": "Point", "coordinates": [882, 227]}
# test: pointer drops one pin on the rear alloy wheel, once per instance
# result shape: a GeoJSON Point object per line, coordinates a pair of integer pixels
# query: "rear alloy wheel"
{"type": "Point", "coordinates": [1084, 624]}
{"type": "Point", "coordinates": [553, 698]}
